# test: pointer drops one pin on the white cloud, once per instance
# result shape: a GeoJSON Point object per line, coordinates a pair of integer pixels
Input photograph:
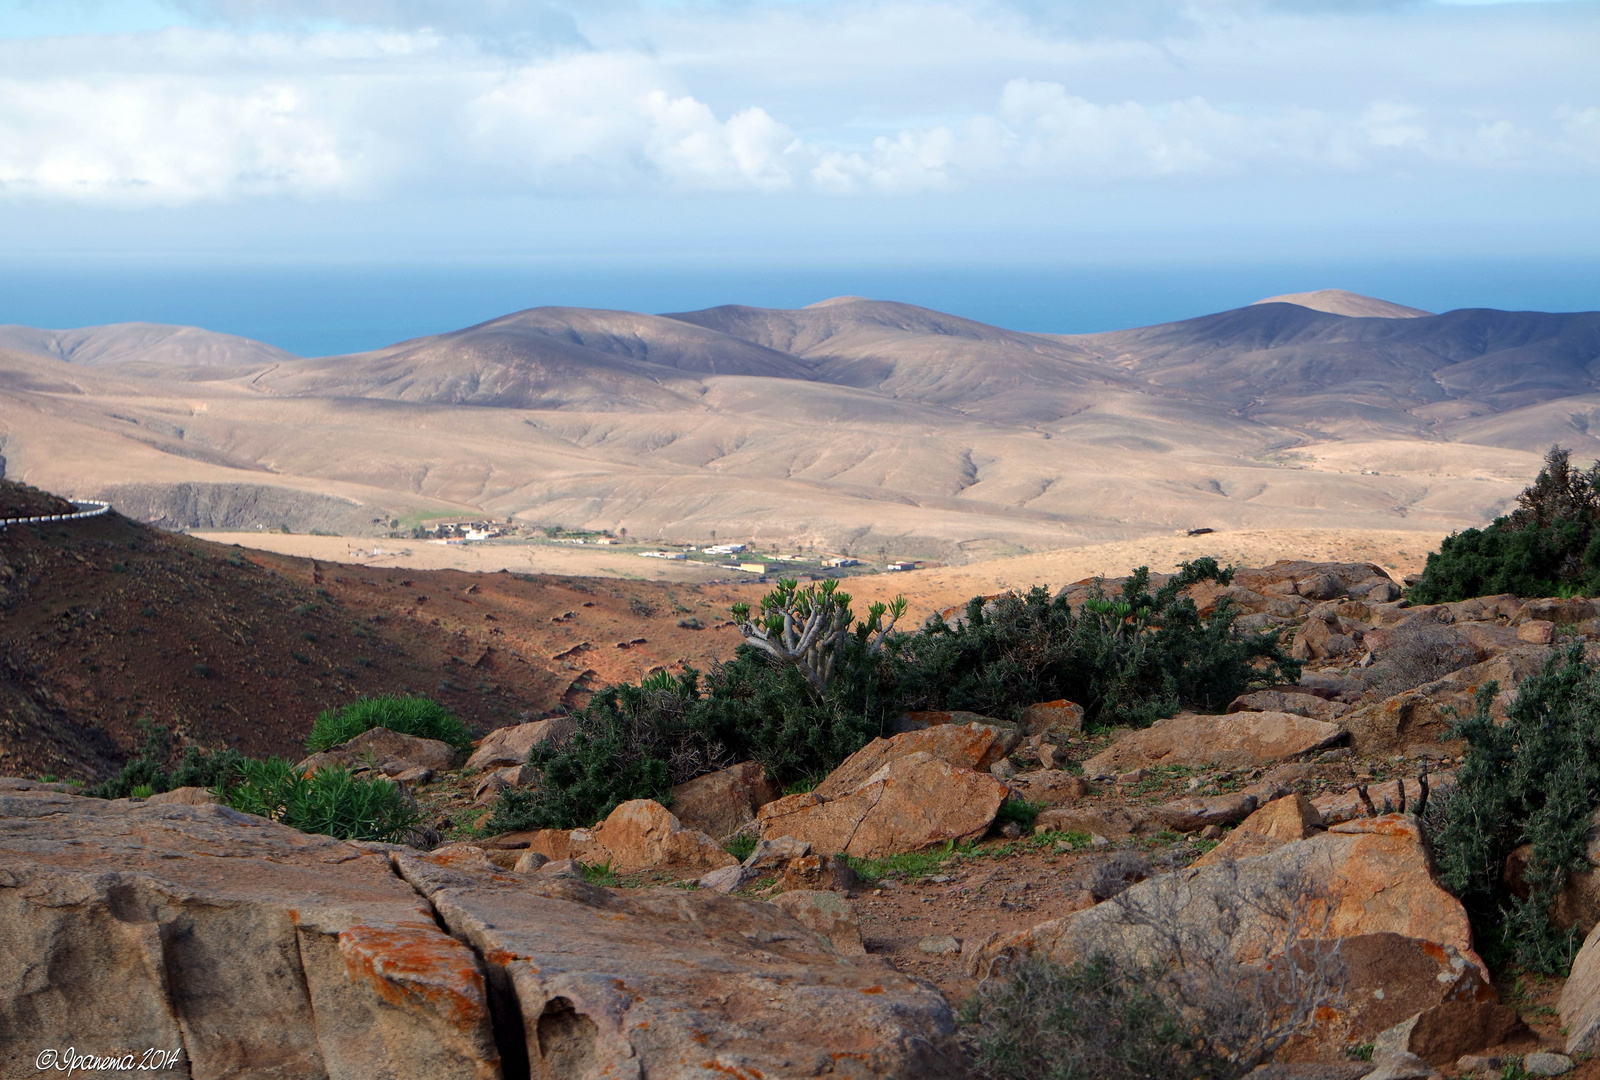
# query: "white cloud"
{"type": "Point", "coordinates": [865, 96]}
{"type": "Point", "coordinates": [165, 140]}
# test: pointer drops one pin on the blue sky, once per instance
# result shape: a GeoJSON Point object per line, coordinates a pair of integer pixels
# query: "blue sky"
{"type": "Point", "coordinates": [922, 133]}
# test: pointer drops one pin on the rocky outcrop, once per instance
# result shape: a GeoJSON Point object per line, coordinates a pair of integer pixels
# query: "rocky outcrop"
{"type": "Point", "coordinates": [1236, 741]}
{"type": "Point", "coordinates": [719, 804]}
{"type": "Point", "coordinates": [1280, 822]}
{"type": "Point", "coordinates": [1053, 716]}
{"type": "Point", "coordinates": [388, 752]}
{"type": "Point", "coordinates": [644, 835]}
{"type": "Point", "coordinates": [259, 951]}
{"type": "Point", "coordinates": [510, 745]}
{"type": "Point", "coordinates": [910, 803]}
{"type": "Point", "coordinates": [965, 746]}
{"type": "Point", "coordinates": [1580, 998]}
{"type": "Point", "coordinates": [1369, 889]}
{"type": "Point", "coordinates": [679, 984]}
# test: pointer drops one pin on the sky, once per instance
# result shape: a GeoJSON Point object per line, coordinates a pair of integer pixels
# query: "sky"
{"type": "Point", "coordinates": [612, 141]}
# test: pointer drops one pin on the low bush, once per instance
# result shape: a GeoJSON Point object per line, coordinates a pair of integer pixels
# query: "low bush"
{"type": "Point", "coordinates": [1128, 659]}
{"type": "Point", "coordinates": [1531, 780]}
{"type": "Point", "coordinates": [1417, 652]}
{"type": "Point", "coordinates": [812, 685]}
{"type": "Point", "coordinates": [419, 716]}
{"type": "Point", "coordinates": [637, 741]}
{"type": "Point", "coordinates": [331, 801]}
{"type": "Point", "coordinates": [1096, 1020]}
{"type": "Point", "coordinates": [1548, 546]}
{"type": "Point", "coordinates": [151, 771]}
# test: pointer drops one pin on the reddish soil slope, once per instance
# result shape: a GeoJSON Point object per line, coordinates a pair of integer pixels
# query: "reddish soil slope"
{"type": "Point", "coordinates": [105, 621]}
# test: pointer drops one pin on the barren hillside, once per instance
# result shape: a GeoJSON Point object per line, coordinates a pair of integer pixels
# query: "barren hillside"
{"type": "Point", "coordinates": [852, 423]}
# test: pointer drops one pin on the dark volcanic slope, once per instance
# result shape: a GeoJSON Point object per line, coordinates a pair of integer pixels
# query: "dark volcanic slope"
{"type": "Point", "coordinates": [913, 354]}
{"type": "Point", "coordinates": [1284, 361]}
{"type": "Point", "coordinates": [543, 358]}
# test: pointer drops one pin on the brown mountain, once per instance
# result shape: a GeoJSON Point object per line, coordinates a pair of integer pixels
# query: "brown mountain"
{"type": "Point", "coordinates": [851, 422]}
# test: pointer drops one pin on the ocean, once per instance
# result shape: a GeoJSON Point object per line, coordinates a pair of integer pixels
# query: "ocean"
{"type": "Point", "coordinates": [321, 310]}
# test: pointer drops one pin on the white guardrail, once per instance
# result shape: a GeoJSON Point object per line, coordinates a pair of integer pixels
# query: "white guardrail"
{"type": "Point", "coordinates": [87, 508]}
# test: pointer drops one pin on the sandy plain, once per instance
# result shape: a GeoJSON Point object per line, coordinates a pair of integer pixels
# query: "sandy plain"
{"type": "Point", "coordinates": [1399, 552]}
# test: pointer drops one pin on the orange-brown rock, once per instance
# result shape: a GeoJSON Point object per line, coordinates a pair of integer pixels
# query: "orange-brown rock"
{"type": "Point", "coordinates": [666, 982]}
{"type": "Point", "coordinates": [1049, 716]}
{"type": "Point", "coordinates": [1441, 1034]}
{"type": "Point", "coordinates": [184, 796]}
{"type": "Point", "coordinates": [1280, 822]}
{"type": "Point", "coordinates": [386, 751]}
{"type": "Point", "coordinates": [827, 914]}
{"type": "Point", "coordinates": [1347, 805]}
{"type": "Point", "coordinates": [1239, 740]}
{"type": "Point", "coordinates": [910, 803]}
{"type": "Point", "coordinates": [1369, 878]}
{"type": "Point", "coordinates": [258, 950]}
{"type": "Point", "coordinates": [966, 746]}
{"type": "Point", "coordinates": [641, 834]}
{"type": "Point", "coordinates": [1196, 812]}
{"type": "Point", "coordinates": [1051, 787]}
{"type": "Point", "coordinates": [1317, 708]}
{"type": "Point", "coordinates": [1537, 631]}
{"type": "Point", "coordinates": [510, 745]}
{"type": "Point", "coordinates": [719, 804]}
{"type": "Point", "coordinates": [1111, 822]}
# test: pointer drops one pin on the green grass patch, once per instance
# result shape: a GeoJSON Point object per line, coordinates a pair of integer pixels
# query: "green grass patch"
{"type": "Point", "coordinates": [418, 716]}
{"type": "Point", "coordinates": [599, 873]}
{"type": "Point", "coordinates": [332, 802]}
{"type": "Point", "coordinates": [740, 846]}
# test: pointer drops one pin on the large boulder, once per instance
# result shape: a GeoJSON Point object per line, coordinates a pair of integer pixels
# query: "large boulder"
{"type": "Point", "coordinates": [910, 803]}
{"type": "Point", "coordinates": [641, 834]}
{"type": "Point", "coordinates": [719, 804]}
{"type": "Point", "coordinates": [264, 952]}
{"type": "Point", "coordinates": [259, 950]}
{"type": "Point", "coordinates": [1341, 806]}
{"type": "Point", "coordinates": [679, 985]}
{"type": "Point", "coordinates": [1580, 998]}
{"type": "Point", "coordinates": [1405, 943]}
{"type": "Point", "coordinates": [510, 745]}
{"type": "Point", "coordinates": [965, 746]}
{"type": "Point", "coordinates": [1289, 701]}
{"type": "Point", "coordinates": [1280, 822]}
{"type": "Point", "coordinates": [1237, 741]}
{"type": "Point", "coordinates": [381, 750]}
{"type": "Point", "coordinates": [1450, 1030]}
{"type": "Point", "coordinates": [1048, 716]}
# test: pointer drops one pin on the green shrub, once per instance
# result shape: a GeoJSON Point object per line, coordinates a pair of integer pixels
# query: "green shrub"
{"type": "Point", "coordinates": [149, 770]}
{"type": "Point", "coordinates": [1128, 659]}
{"type": "Point", "coordinates": [637, 741]}
{"type": "Point", "coordinates": [419, 716]}
{"type": "Point", "coordinates": [1017, 810]}
{"type": "Point", "coordinates": [1531, 780]}
{"type": "Point", "coordinates": [1548, 546]}
{"type": "Point", "coordinates": [1096, 1020]}
{"type": "Point", "coordinates": [740, 846]}
{"type": "Point", "coordinates": [331, 801]}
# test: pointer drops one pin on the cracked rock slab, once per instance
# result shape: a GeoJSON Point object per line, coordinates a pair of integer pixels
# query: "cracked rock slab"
{"type": "Point", "coordinates": [257, 950]}
{"type": "Point", "coordinates": [675, 984]}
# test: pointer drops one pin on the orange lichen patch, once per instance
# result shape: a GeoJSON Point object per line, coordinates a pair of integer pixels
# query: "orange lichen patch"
{"type": "Point", "coordinates": [414, 966]}
{"type": "Point", "coordinates": [734, 1070]}
{"type": "Point", "coordinates": [1435, 952]}
{"type": "Point", "coordinates": [872, 989]}
{"type": "Point", "coordinates": [1325, 1014]}
{"type": "Point", "coordinates": [626, 989]}
{"type": "Point", "coordinates": [502, 957]}
{"type": "Point", "coordinates": [701, 1037]}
